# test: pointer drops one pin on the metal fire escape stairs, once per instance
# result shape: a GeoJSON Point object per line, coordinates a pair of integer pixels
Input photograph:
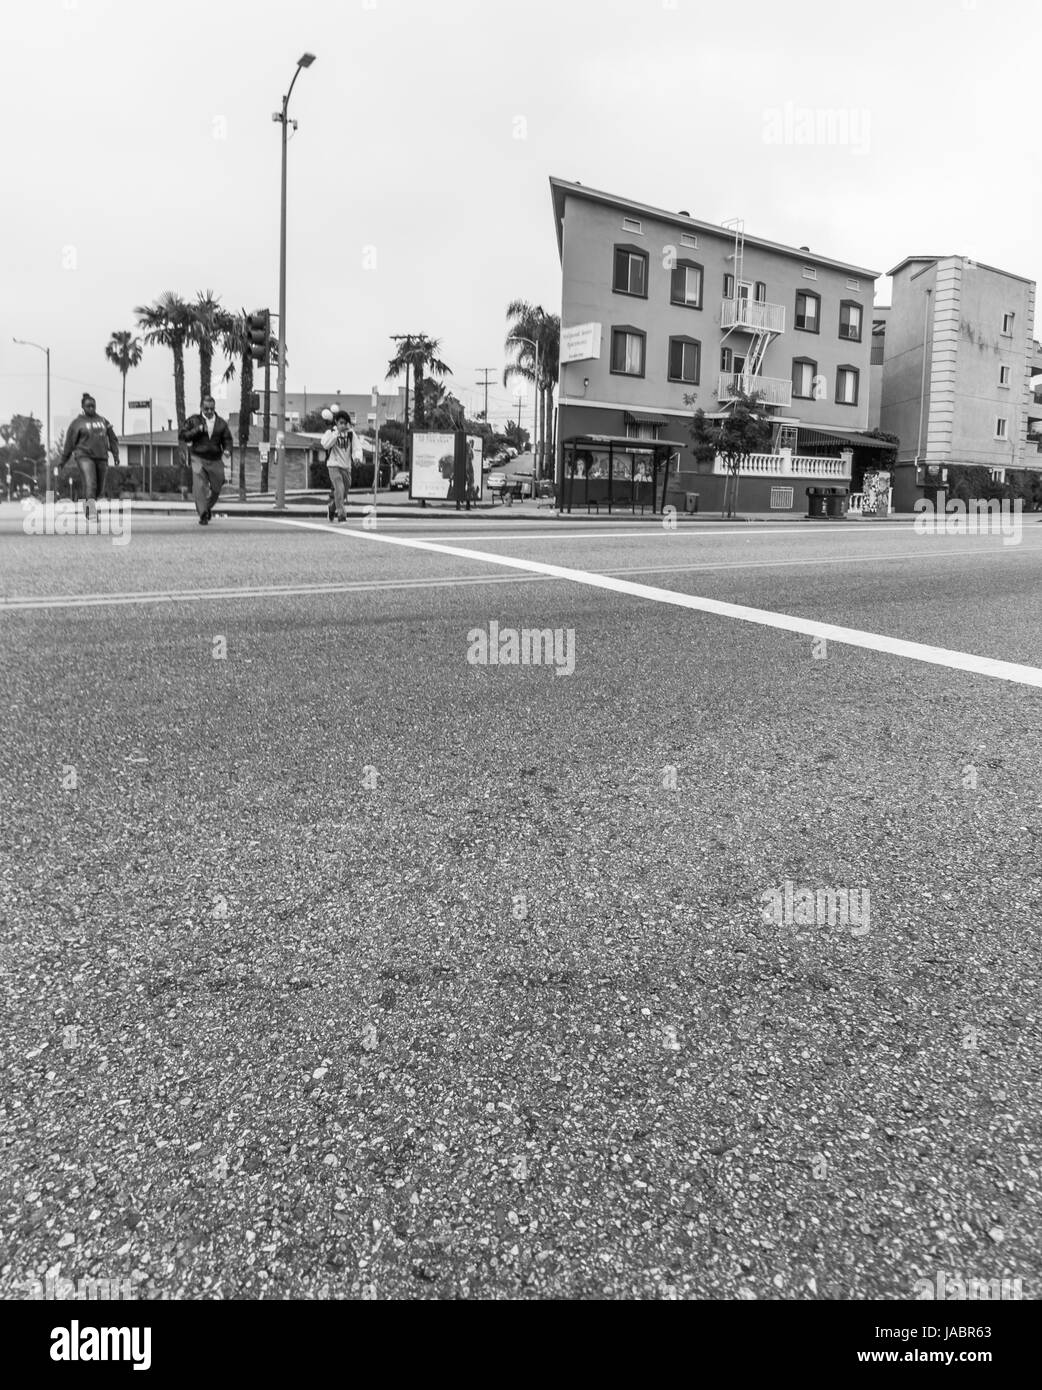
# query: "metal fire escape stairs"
{"type": "Point", "coordinates": [760, 336]}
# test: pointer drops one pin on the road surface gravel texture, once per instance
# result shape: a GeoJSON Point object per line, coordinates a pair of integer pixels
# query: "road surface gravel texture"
{"type": "Point", "coordinates": [338, 966]}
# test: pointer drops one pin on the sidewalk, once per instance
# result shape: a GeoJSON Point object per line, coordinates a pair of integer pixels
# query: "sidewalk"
{"type": "Point", "coordinates": [312, 506]}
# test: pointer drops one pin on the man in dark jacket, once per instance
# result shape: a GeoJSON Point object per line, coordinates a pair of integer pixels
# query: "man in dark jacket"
{"type": "Point", "coordinates": [88, 441]}
{"type": "Point", "coordinates": [211, 443]}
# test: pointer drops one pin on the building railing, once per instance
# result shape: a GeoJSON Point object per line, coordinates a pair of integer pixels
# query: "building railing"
{"type": "Point", "coordinates": [752, 314]}
{"type": "Point", "coordinates": [770, 390]}
{"type": "Point", "coordinates": [786, 465]}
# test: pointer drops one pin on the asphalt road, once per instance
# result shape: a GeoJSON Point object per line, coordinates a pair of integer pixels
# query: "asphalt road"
{"type": "Point", "coordinates": [336, 965]}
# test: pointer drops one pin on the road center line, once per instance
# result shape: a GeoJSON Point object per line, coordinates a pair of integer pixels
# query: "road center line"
{"type": "Point", "coordinates": [848, 636]}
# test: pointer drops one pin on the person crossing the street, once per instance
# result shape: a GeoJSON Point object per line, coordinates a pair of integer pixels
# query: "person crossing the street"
{"type": "Point", "coordinates": [210, 441]}
{"type": "Point", "coordinates": [340, 444]}
{"type": "Point", "coordinates": [88, 442]}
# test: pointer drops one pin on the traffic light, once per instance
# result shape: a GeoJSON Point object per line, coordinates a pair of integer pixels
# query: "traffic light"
{"type": "Point", "coordinates": [259, 328]}
{"type": "Point", "coordinates": [255, 402]}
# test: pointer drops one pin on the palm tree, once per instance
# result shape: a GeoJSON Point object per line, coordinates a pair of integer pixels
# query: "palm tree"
{"type": "Point", "coordinates": [418, 353]}
{"type": "Point", "coordinates": [530, 321]}
{"type": "Point", "coordinates": [124, 351]}
{"type": "Point", "coordinates": [168, 323]}
{"type": "Point", "coordinates": [206, 333]}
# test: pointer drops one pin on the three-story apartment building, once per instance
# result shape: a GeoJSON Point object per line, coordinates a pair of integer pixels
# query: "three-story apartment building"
{"type": "Point", "coordinates": [958, 367]}
{"type": "Point", "coordinates": [658, 308]}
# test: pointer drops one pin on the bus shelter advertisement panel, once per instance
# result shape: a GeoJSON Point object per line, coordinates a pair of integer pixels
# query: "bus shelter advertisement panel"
{"type": "Point", "coordinates": [433, 465]}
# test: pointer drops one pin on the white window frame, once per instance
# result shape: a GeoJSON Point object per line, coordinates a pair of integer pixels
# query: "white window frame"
{"type": "Point", "coordinates": [632, 225]}
{"type": "Point", "coordinates": [1005, 378]}
{"type": "Point", "coordinates": [1002, 428]}
{"type": "Point", "coordinates": [809, 273]}
{"type": "Point", "coordinates": [684, 346]}
{"type": "Point", "coordinates": [1008, 317]}
{"type": "Point", "coordinates": [853, 284]}
{"type": "Point", "coordinates": [853, 376]}
{"type": "Point", "coordinates": [688, 240]}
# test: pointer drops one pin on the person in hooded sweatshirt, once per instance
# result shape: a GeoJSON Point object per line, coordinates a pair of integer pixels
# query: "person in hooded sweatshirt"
{"type": "Point", "coordinates": [88, 442]}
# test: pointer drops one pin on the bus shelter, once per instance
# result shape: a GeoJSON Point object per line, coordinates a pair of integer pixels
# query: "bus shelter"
{"type": "Point", "coordinates": [616, 471]}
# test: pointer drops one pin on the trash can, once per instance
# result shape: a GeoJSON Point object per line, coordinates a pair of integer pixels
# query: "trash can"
{"type": "Point", "coordinates": [838, 501]}
{"type": "Point", "coordinates": [816, 501]}
{"type": "Point", "coordinates": [690, 501]}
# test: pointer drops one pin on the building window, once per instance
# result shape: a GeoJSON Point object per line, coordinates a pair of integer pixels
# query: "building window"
{"type": "Point", "coordinates": [642, 431]}
{"type": "Point", "coordinates": [627, 351]}
{"type": "Point", "coordinates": [1000, 428]}
{"type": "Point", "coordinates": [686, 285]}
{"type": "Point", "coordinates": [850, 320]}
{"type": "Point", "coordinates": [1005, 376]}
{"type": "Point", "coordinates": [760, 292]}
{"type": "Point", "coordinates": [632, 224]}
{"type": "Point", "coordinates": [631, 271]}
{"type": "Point", "coordinates": [726, 360]}
{"type": "Point", "coordinates": [803, 373]}
{"type": "Point", "coordinates": [809, 273]}
{"type": "Point", "coordinates": [1007, 325]}
{"type": "Point", "coordinates": [878, 342]}
{"type": "Point", "coordinates": [808, 311]}
{"type": "Point", "coordinates": [685, 360]}
{"type": "Point", "coordinates": [686, 239]}
{"type": "Point", "coordinates": [853, 284]}
{"type": "Point", "coordinates": [728, 285]}
{"type": "Point", "coordinates": [847, 381]}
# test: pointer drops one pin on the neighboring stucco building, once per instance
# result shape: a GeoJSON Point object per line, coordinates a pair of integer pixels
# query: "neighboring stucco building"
{"type": "Point", "coordinates": [957, 369]}
{"type": "Point", "coordinates": [657, 306]}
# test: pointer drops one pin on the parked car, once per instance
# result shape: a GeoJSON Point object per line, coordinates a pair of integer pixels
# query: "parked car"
{"type": "Point", "coordinates": [400, 481]}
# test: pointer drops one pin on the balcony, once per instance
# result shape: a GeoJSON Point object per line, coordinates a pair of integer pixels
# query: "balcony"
{"type": "Point", "coordinates": [771, 390]}
{"type": "Point", "coordinates": [752, 315]}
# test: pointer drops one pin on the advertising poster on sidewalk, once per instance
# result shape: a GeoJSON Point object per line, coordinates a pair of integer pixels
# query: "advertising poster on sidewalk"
{"type": "Point", "coordinates": [433, 462]}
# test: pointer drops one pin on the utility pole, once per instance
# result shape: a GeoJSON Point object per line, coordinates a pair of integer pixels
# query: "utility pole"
{"type": "Point", "coordinates": [487, 372]}
{"type": "Point", "coordinates": [409, 338]}
{"type": "Point", "coordinates": [22, 342]}
{"type": "Point", "coordinates": [280, 439]}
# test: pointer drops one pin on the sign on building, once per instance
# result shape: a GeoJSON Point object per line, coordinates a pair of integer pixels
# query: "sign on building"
{"type": "Point", "coordinates": [581, 343]}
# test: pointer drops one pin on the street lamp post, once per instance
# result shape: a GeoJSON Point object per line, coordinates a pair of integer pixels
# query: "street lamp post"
{"type": "Point", "coordinates": [535, 421]}
{"type": "Point", "coordinates": [280, 443]}
{"type": "Point", "coordinates": [47, 352]}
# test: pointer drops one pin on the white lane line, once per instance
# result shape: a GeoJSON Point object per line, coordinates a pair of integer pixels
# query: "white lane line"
{"type": "Point", "coordinates": [117, 599]}
{"type": "Point", "coordinates": [658, 533]}
{"type": "Point", "coordinates": [847, 636]}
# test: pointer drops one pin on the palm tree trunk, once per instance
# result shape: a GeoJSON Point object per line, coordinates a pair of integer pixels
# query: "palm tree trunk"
{"type": "Point", "coordinates": [179, 384]}
{"type": "Point", "coordinates": [418, 386]}
{"type": "Point", "coordinates": [205, 370]}
{"type": "Point", "coordinates": [123, 417]}
{"type": "Point", "coordinates": [542, 431]}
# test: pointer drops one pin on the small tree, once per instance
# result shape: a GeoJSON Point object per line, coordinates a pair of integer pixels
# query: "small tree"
{"type": "Point", "coordinates": [742, 432]}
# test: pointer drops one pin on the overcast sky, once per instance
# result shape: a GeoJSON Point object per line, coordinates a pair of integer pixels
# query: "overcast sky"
{"type": "Point", "coordinates": [140, 155]}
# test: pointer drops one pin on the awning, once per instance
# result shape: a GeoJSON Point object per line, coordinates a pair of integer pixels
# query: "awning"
{"type": "Point", "coordinates": [824, 434]}
{"type": "Point", "coordinates": [621, 441]}
{"type": "Point", "coordinates": [635, 417]}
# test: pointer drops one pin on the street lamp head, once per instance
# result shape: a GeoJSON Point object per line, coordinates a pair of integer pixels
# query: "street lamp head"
{"type": "Point", "coordinates": [306, 60]}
